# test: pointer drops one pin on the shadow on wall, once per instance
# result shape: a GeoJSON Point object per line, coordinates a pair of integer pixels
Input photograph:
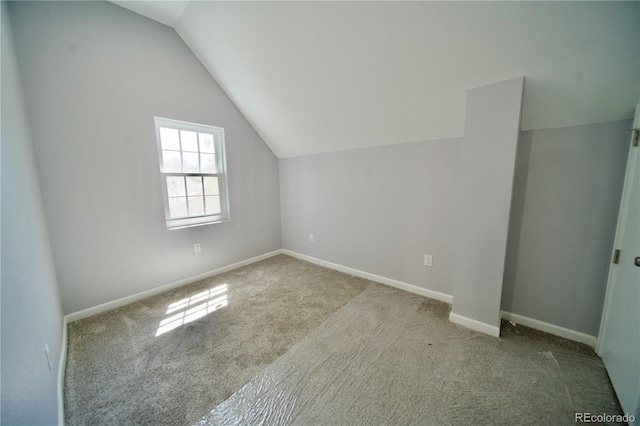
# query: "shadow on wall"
{"type": "Point", "coordinates": [566, 196]}
{"type": "Point", "coordinates": [520, 180]}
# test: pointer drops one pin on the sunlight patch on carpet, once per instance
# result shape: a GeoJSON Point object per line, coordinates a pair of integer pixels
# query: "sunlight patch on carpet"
{"type": "Point", "coordinates": [191, 308]}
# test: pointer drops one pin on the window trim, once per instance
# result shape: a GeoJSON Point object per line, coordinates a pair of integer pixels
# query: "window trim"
{"type": "Point", "coordinates": [221, 167]}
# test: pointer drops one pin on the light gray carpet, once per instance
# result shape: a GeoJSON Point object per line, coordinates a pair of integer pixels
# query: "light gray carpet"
{"type": "Point", "coordinates": [389, 357]}
{"type": "Point", "coordinates": [119, 372]}
{"type": "Point", "coordinates": [300, 344]}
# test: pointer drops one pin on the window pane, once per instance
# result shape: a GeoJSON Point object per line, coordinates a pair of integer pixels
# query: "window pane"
{"type": "Point", "coordinates": [171, 161]}
{"type": "Point", "coordinates": [213, 204]}
{"type": "Point", "coordinates": [169, 139]}
{"type": "Point", "coordinates": [196, 206]}
{"type": "Point", "coordinates": [208, 162]}
{"type": "Point", "coordinates": [194, 186]}
{"type": "Point", "coordinates": [175, 186]}
{"type": "Point", "coordinates": [206, 142]}
{"type": "Point", "coordinates": [189, 140]}
{"type": "Point", "coordinates": [177, 207]}
{"type": "Point", "coordinates": [190, 162]}
{"type": "Point", "coordinates": [192, 166]}
{"type": "Point", "coordinates": [211, 186]}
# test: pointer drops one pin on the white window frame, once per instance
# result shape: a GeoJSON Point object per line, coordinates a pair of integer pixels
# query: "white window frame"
{"type": "Point", "coordinates": [221, 168]}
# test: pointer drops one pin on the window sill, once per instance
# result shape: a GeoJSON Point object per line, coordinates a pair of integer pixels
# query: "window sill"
{"type": "Point", "coordinates": [191, 223]}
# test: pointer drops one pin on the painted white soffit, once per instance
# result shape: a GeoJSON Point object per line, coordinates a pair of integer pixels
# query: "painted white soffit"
{"type": "Point", "coordinates": [322, 76]}
{"type": "Point", "coordinates": [166, 12]}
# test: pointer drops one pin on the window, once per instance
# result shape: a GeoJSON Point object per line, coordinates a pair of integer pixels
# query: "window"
{"type": "Point", "coordinates": [193, 169]}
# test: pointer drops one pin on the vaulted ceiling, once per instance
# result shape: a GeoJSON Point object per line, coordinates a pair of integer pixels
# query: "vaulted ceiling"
{"type": "Point", "coordinates": [323, 76]}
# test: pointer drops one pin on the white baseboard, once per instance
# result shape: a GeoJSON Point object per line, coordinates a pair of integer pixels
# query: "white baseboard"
{"type": "Point", "coordinates": [62, 365]}
{"type": "Point", "coordinates": [550, 328]}
{"type": "Point", "coordinates": [85, 313]}
{"type": "Point", "coordinates": [372, 277]}
{"type": "Point", "coordinates": [476, 325]}
{"type": "Point", "coordinates": [455, 318]}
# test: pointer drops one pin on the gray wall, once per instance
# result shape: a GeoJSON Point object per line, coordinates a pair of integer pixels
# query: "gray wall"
{"type": "Point", "coordinates": [379, 210]}
{"type": "Point", "coordinates": [567, 193]}
{"type": "Point", "coordinates": [31, 308]}
{"type": "Point", "coordinates": [95, 75]}
{"type": "Point", "coordinates": [491, 130]}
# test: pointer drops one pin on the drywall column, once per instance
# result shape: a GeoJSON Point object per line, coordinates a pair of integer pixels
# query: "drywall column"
{"type": "Point", "coordinates": [492, 125]}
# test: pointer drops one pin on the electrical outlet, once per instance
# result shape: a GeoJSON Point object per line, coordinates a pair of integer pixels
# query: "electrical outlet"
{"type": "Point", "coordinates": [311, 237]}
{"type": "Point", "coordinates": [197, 248]}
{"type": "Point", "coordinates": [46, 353]}
{"type": "Point", "coordinates": [428, 260]}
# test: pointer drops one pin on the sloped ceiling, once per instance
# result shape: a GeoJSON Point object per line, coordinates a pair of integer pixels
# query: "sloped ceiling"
{"type": "Point", "coordinates": [323, 76]}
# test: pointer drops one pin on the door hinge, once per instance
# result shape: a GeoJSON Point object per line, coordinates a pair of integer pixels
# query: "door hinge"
{"type": "Point", "coordinates": [636, 136]}
{"type": "Point", "coordinates": [616, 256]}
